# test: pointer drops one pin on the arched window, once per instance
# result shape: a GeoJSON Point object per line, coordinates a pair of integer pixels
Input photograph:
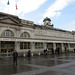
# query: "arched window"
{"type": "Point", "coordinates": [7, 33]}
{"type": "Point", "coordinates": [25, 35]}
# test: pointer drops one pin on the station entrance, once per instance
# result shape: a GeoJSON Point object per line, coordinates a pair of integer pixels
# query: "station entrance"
{"type": "Point", "coordinates": [7, 48]}
{"type": "Point", "coordinates": [50, 47]}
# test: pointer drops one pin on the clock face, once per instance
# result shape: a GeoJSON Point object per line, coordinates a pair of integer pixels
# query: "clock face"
{"type": "Point", "coordinates": [47, 23]}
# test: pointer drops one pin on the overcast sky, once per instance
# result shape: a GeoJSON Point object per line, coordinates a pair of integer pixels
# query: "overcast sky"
{"type": "Point", "coordinates": [61, 12]}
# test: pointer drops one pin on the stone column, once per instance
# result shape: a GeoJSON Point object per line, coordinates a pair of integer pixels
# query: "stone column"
{"type": "Point", "coordinates": [32, 48]}
{"type": "Point", "coordinates": [54, 46]}
{"type": "Point", "coordinates": [45, 45]}
{"type": "Point", "coordinates": [68, 46]}
{"type": "Point", "coordinates": [62, 47]}
{"type": "Point", "coordinates": [17, 46]}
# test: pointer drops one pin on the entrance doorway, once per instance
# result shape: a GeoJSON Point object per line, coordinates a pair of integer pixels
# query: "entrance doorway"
{"type": "Point", "coordinates": [50, 47]}
{"type": "Point", "coordinates": [7, 48]}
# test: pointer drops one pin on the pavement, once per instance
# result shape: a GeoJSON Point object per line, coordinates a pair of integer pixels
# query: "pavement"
{"type": "Point", "coordinates": [63, 64]}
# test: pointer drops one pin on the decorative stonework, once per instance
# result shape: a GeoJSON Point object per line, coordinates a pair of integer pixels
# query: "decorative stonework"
{"type": "Point", "coordinates": [25, 22]}
{"type": "Point", "coordinates": [40, 32]}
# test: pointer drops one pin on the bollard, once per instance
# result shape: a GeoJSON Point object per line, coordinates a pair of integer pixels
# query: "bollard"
{"type": "Point", "coordinates": [39, 54]}
{"type": "Point", "coordinates": [24, 54]}
{"type": "Point", "coordinates": [31, 54]}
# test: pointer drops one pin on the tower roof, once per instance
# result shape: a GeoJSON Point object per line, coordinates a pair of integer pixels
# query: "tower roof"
{"type": "Point", "coordinates": [47, 19]}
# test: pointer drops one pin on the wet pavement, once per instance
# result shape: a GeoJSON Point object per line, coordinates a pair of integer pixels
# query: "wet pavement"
{"type": "Point", "coordinates": [63, 64]}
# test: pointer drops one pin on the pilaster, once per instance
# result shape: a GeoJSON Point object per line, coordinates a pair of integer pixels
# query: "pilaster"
{"type": "Point", "coordinates": [54, 46]}
{"type": "Point", "coordinates": [62, 47]}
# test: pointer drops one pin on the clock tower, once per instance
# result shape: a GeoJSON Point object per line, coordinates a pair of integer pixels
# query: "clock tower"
{"type": "Point", "coordinates": [47, 22]}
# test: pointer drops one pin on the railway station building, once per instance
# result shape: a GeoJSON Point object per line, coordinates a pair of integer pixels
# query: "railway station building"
{"type": "Point", "coordinates": [23, 35]}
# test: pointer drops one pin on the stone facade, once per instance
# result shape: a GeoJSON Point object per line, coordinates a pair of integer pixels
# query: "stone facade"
{"type": "Point", "coordinates": [35, 37]}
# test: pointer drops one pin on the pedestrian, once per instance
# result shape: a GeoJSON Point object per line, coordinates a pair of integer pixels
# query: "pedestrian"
{"type": "Point", "coordinates": [65, 49]}
{"type": "Point", "coordinates": [58, 49]}
{"type": "Point", "coordinates": [52, 51]}
{"type": "Point", "coordinates": [29, 53]}
{"type": "Point", "coordinates": [44, 51]}
{"type": "Point", "coordinates": [47, 49]}
{"type": "Point", "coordinates": [15, 56]}
{"type": "Point", "coordinates": [74, 50]}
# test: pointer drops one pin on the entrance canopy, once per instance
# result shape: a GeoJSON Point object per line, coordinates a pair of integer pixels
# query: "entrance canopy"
{"type": "Point", "coordinates": [34, 40]}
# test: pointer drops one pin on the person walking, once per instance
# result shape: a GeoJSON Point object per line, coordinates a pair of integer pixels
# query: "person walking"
{"type": "Point", "coordinates": [74, 50]}
{"type": "Point", "coordinates": [29, 53]}
{"type": "Point", "coordinates": [58, 49]}
{"type": "Point", "coordinates": [44, 51]}
{"type": "Point", "coordinates": [15, 56]}
{"type": "Point", "coordinates": [52, 51]}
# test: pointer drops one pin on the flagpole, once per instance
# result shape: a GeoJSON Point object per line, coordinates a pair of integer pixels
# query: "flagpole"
{"type": "Point", "coordinates": [16, 9]}
{"type": "Point", "coordinates": [8, 6]}
{"type": "Point", "coordinates": [8, 9]}
{"type": "Point", "coordinates": [15, 12]}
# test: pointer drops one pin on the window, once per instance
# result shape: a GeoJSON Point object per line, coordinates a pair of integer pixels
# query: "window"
{"type": "Point", "coordinates": [7, 33]}
{"type": "Point", "coordinates": [25, 35]}
{"type": "Point", "coordinates": [38, 45]}
{"type": "Point", "coordinates": [72, 45]}
{"type": "Point", "coordinates": [24, 45]}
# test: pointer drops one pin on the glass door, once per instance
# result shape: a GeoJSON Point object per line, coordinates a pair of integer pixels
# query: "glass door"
{"type": "Point", "coordinates": [7, 48]}
{"type": "Point", "coordinates": [50, 47]}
